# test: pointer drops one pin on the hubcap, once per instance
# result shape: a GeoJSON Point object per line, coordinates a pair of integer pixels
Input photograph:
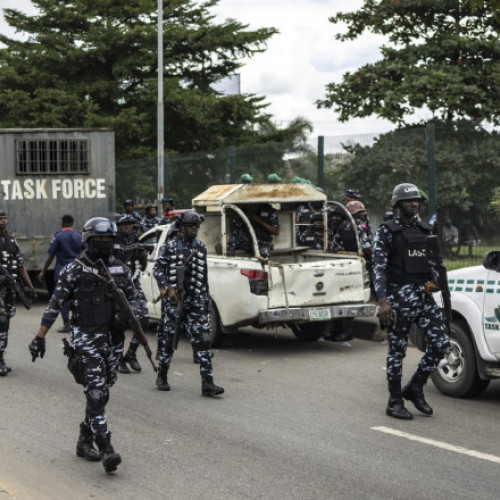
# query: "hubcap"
{"type": "Point", "coordinates": [450, 368]}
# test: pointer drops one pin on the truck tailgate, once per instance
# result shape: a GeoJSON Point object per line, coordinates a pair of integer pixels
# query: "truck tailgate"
{"type": "Point", "coordinates": [316, 283]}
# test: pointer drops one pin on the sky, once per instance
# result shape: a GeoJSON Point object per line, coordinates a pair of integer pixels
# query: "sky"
{"type": "Point", "coordinates": [299, 62]}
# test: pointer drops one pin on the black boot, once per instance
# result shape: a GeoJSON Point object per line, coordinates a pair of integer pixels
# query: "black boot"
{"type": "Point", "coordinates": [4, 369]}
{"type": "Point", "coordinates": [122, 366]}
{"type": "Point", "coordinates": [131, 358]}
{"type": "Point", "coordinates": [85, 445]}
{"type": "Point", "coordinates": [161, 380]}
{"type": "Point", "coordinates": [413, 391]}
{"type": "Point", "coordinates": [66, 328]}
{"type": "Point", "coordinates": [109, 458]}
{"type": "Point", "coordinates": [209, 389]}
{"type": "Point", "coordinates": [395, 406]}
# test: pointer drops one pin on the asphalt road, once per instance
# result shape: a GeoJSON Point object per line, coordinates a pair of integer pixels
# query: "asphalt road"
{"type": "Point", "coordinates": [297, 421]}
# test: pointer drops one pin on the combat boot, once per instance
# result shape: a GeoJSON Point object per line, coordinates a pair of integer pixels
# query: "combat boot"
{"type": "Point", "coordinates": [209, 389]}
{"type": "Point", "coordinates": [161, 380]}
{"type": "Point", "coordinates": [395, 406]}
{"type": "Point", "coordinates": [131, 358]}
{"type": "Point", "coordinates": [109, 458]}
{"type": "Point", "coordinates": [4, 369]}
{"type": "Point", "coordinates": [85, 445]}
{"type": "Point", "coordinates": [122, 366]}
{"type": "Point", "coordinates": [413, 391]}
{"type": "Point", "coordinates": [66, 328]}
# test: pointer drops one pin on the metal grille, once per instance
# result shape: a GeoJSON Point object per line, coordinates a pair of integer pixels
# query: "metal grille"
{"type": "Point", "coordinates": [49, 156]}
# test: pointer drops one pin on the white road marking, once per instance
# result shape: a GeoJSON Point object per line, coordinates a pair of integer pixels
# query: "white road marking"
{"type": "Point", "coordinates": [439, 444]}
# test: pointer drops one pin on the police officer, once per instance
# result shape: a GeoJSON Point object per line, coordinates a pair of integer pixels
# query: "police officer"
{"type": "Point", "coordinates": [129, 206]}
{"type": "Point", "coordinates": [313, 235]}
{"type": "Point", "coordinates": [65, 246]}
{"type": "Point", "coordinates": [150, 219]}
{"type": "Point", "coordinates": [188, 252]}
{"type": "Point", "coordinates": [12, 261]}
{"type": "Point", "coordinates": [128, 250]}
{"type": "Point", "coordinates": [94, 315]}
{"type": "Point", "coordinates": [168, 207]}
{"type": "Point", "coordinates": [401, 270]}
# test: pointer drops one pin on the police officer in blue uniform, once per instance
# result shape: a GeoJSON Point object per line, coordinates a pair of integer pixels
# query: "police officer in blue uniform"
{"type": "Point", "coordinates": [94, 317]}
{"type": "Point", "coordinates": [65, 246]}
{"type": "Point", "coordinates": [401, 270]}
{"type": "Point", "coordinates": [189, 253]}
{"type": "Point", "coordinates": [13, 262]}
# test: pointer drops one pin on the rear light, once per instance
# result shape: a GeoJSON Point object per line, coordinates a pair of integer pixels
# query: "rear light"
{"type": "Point", "coordinates": [257, 280]}
{"type": "Point", "coordinates": [254, 274]}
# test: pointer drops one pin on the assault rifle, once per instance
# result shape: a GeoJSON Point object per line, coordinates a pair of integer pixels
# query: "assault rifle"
{"type": "Point", "coordinates": [12, 281]}
{"type": "Point", "coordinates": [180, 274]}
{"type": "Point", "coordinates": [124, 308]}
{"type": "Point", "coordinates": [436, 261]}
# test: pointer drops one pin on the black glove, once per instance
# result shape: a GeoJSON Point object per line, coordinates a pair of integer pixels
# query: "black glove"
{"type": "Point", "coordinates": [37, 348]}
{"type": "Point", "coordinates": [31, 295]}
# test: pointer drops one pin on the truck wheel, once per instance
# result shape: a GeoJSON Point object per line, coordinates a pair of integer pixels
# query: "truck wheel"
{"type": "Point", "coordinates": [309, 332]}
{"type": "Point", "coordinates": [216, 334]}
{"type": "Point", "coordinates": [457, 375]}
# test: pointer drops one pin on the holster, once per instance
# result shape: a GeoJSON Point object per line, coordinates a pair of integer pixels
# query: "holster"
{"type": "Point", "coordinates": [75, 363]}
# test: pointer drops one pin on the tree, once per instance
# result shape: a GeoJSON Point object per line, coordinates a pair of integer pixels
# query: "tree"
{"type": "Point", "coordinates": [441, 55]}
{"type": "Point", "coordinates": [89, 63]}
{"type": "Point", "coordinates": [467, 162]}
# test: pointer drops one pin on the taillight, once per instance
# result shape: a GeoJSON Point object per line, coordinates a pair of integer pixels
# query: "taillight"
{"type": "Point", "coordinates": [257, 280]}
{"type": "Point", "coordinates": [254, 274]}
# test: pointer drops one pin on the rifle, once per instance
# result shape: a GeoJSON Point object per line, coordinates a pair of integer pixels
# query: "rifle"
{"type": "Point", "coordinates": [436, 261]}
{"type": "Point", "coordinates": [180, 274]}
{"type": "Point", "coordinates": [20, 293]}
{"type": "Point", "coordinates": [123, 306]}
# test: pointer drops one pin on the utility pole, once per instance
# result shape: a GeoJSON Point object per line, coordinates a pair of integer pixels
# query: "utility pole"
{"type": "Point", "coordinates": [161, 132]}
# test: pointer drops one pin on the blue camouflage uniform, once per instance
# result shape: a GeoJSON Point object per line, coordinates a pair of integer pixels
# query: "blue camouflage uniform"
{"type": "Point", "coordinates": [148, 222]}
{"type": "Point", "coordinates": [193, 255]}
{"type": "Point", "coordinates": [400, 271]}
{"type": "Point", "coordinates": [93, 317]}
{"type": "Point", "coordinates": [11, 260]}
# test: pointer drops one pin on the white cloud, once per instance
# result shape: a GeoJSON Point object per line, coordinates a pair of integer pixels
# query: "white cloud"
{"type": "Point", "coordinates": [299, 62]}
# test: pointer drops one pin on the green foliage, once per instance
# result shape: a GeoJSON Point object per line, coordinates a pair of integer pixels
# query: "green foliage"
{"type": "Point", "coordinates": [94, 63]}
{"type": "Point", "coordinates": [441, 55]}
{"type": "Point", "coordinates": [467, 166]}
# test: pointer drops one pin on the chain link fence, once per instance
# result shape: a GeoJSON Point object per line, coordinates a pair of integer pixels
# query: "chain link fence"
{"type": "Point", "coordinates": [457, 168]}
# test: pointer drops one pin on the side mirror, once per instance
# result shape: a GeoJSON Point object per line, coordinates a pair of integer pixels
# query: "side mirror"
{"type": "Point", "coordinates": [492, 260]}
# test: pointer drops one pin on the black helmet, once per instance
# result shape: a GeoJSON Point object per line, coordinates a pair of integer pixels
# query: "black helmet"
{"type": "Point", "coordinates": [149, 206]}
{"type": "Point", "coordinates": [168, 199]}
{"type": "Point", "coordinates": [190, 217]}
{"type": "Point", "coordinates": [405, 191]}
{"type": "Point", "coordinates": [128, 202]}
{"type": "Point", "coordinates": [353, 193]}
{"type": "Point", "coordinates": [125, 219]}
{"type": "Point", "coordinates": [98, 226]}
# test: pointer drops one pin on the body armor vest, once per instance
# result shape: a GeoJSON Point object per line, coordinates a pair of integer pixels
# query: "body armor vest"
{"type": "Point", "coordinates": [408, 261]}
{"type": "Point", "coordinates": [193, 259]}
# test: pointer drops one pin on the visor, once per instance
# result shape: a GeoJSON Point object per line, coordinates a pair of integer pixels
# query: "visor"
{"type": "Point", "coordinates": [105, 227]}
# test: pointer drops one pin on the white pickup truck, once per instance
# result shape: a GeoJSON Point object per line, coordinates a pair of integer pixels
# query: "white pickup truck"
{"type": "Point", "coordinates": [297, 287]}
{"type": "Point", "coordinates": [474, 357]}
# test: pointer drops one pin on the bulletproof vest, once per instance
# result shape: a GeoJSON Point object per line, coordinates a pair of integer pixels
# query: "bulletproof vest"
{"type": "Point", "coordinates": [408, 261]}
{"type": "Point", "coordinates": [95, 308]}
{"type": "Point", "coordinates": [8, 251]}
{"type": "Point", "coordinates": [349, 242]}
{"type": "Point", "coordinates": [193, 258]}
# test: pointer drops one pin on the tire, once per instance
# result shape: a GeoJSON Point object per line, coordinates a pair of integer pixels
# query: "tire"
{"type": "Point", "coordinates": [457, 374]}
{"type": "Point", "coordinates": [310, 332]}
{"type": "Point", "coordinates": [216, 335]}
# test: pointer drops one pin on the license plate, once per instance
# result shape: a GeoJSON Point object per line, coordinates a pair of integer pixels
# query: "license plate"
{"type": "Point", "coordinates": [320, 314]}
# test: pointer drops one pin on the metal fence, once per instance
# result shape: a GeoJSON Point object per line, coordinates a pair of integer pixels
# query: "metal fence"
{"type": "Point", "coordinates": [458, 170]}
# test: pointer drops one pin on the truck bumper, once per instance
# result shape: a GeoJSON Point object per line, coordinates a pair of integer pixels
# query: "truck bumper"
{"type": "Point", "coordinates": [306, 314]}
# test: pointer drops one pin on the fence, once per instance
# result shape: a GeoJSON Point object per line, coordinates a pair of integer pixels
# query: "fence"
{"type": "Point", "coordinates": [458, 169]}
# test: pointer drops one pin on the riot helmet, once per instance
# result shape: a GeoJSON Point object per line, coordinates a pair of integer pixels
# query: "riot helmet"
{"type": "Point", "coordinates": [99, 226]}
{"type": "Point", "coordinates": [296, 180]}
{"type": "Point", "coordinates": [128, 202]}
{"type": "Point", "coordinates": [405, 191]}
{"type": "Point", "coordinates": [148, 207]}
{"type": "Point", "coordinates": [190, 218]}
{"type": "Point", "coordinates": [246, 179]}
{"type": "Point", "coordinates": [168, 199]}
{"type": "Point", "coordinates": [274, 178]}
{"type": "Point", "coordinates": [353, 193]}
{"type": "Point", "coordinates": [123, 220]}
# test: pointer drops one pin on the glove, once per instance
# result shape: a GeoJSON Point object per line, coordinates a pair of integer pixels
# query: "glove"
{"type": "Point", "coordinates": [31, 295]}
{"type": "Point", "coordinates": [37, 348]}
